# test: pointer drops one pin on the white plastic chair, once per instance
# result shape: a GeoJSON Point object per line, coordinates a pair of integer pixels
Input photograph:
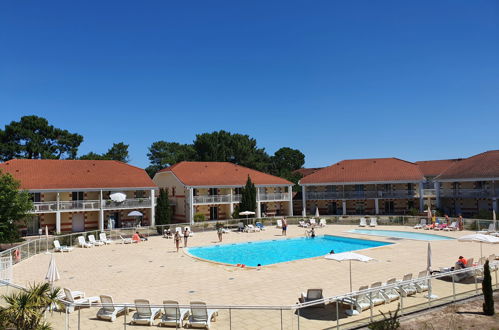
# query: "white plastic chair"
{"type": "Point", "coordinates": [109, 311]}
{"type": "Point", "coordinates": [373, 222]}
{"type": "Point", "coordinates": [103, 238]}
{"type": "Point", "coordinates": [82, 302]}
{"type": "Point", "coordinates": [144, 314]}
{"type": "Point", "coordinates": [61, 248]}
{"type": "Point", "coordinates": [91, 240]}
{"type": "Point", "coordinates": [173, 315]}
{"type": "Point", "coordinates": [201, 317]}
{"type": "Point", "coordinates": [362, 222]}
{"type": "Point", "coordinates": [82, 243]}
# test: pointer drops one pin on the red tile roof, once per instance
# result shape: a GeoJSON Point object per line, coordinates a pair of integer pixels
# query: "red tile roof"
{"type": "Point", "coordinates": [435, 167]}
{"type": "Point", "coordinates": [307, 171]}
{"type": "Point", "coordinates": [481, 166]}
{"type": "Point", "coordinates": [366, 170]}
{"type": "Point", "coordinates": [220, 174]}
{"type": "Point", "coordinates": [47, 174]}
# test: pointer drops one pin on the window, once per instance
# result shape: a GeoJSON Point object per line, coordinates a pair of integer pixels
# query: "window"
{"type": "Point", "coordinates": [194, 192]}
{"type": "Point", "coordinates": [333, 208]}
{"type": "Point", "coordinates": [36, 197]}
{"type": "Point", "coordinates": [388, 187]}
{"type": "Point", "coordinates": [77, 195]}
{"type": "Point", "coordinates": [359, 187]}
{"type": "Point", "coordinates": [173, 191]}
{"type": "Point", "coordinates": [331, 188]}
{"type": "Point", "coordinates": [410, 204]}
{"type": "Point", "coordinates": [238, 191]}
{"type": "Point", "coordinates": [410, 186]}
{"type": "Point", "coordinates": [359, 207]}
{"type": "Point", "coordinates": [139, 194]}
{"type": "Point", "coordinates": [213, 191]}
{"type": "Point", "coordinates": [389, 207]}
{"type": "Point", "coordinates": [213, 213]}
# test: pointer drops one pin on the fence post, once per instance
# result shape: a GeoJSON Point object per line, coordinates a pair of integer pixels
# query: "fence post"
{"type": "Point", "coordinates": [79, 318]}
{"type": "Point", "coordinates": [476, 282]}
{"type": "Point", "coordinates": [401, 304]}
{"type": "Point", "coordinates": [298, 315]}
{"type": "Point", "coordinates": [124, 321]}
{"type": "Point", "coordinates": [281, 319]}
{"type": "Point", "coordinates": [28, 249]}
{"type": "Point", "coordinates": [372, 306]}
{"type": "Point", "coordinates": [230, 318]}
{"type": "Point", "coordinates": [337, 315]}
{"type": "Point", "coordinates": [453, 290]}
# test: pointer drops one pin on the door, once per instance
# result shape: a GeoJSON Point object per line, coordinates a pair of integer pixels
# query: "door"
{"type": "Point", "coordinates": [389, 207]}
{"type": "Point", "coordinates": [213, 213]}
{"type": "Point", "coordinates": [333, 208]}
{"type": "Point", "coordinates": [78, 222]}
{"type": "Point", "coordinates": [33, 225]}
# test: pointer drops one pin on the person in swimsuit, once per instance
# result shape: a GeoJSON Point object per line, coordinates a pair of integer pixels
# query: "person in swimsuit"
{"type": "Point", "coordinates": [186, 236]}
{"type": "Point", "coordinates": [177, 239]}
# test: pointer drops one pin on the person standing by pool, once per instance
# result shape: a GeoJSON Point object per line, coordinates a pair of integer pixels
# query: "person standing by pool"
{"type": "Point", "coordinates": [220, 232]}
{"type": "Point", "coordinates": [186, 236]}
{"type": "Point", "coordinates": [460, 222]}
{"type": "Point", "coordinates": [177, 239]}
{"type": "Point", "coordinates": [447, 220]}
{"type": "Point", "coordinates": [284, 226]}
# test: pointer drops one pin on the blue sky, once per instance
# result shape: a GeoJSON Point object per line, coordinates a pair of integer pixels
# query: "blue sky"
{"type": "Point", "coordinates": [337, 80]}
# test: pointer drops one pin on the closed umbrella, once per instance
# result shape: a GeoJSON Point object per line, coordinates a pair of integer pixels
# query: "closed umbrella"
{"type": "Point", "coordinates": [304, 213]}
{"type": "Point", "coordinates": [349, 256]}
{"type": "Point", "coordinates": [52, 273]}
{"type": "Point", "coordinates": [317, 212]}
{"type": "Point", "coordinates": [118, 197]}
{"type": "Point", "coordinates": [47, 239]}
{"type": "Point", "coordinates": [428, 270]}
{"type": "Point", "coordinates": [479, 238]}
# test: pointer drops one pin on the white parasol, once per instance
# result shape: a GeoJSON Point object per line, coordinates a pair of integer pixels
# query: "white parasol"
{"type": "Point", "coordinates": [317, 212]}
{"type": "Point", "coordinates": [479, 238]}
{"type": "Point", "coordinates": [52, 273]}
{"type": "Point", "coordinates": [118, 197]}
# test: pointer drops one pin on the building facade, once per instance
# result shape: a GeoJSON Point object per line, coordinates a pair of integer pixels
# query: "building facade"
{"type": "Point", "coordinates": [469, 186]}
{"type": "Point", "coordinates": [76, 195]}
{"type": "Point", "coordinates": [213, 189]}
{"type": "Point", "coordinates": [363, 186]}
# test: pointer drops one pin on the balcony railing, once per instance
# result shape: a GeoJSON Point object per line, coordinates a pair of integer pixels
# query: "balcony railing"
{"type": "Point", "coordinates": [273, 197]}
{"type": "Point", "coordinates": [326, 195]}
{"type": "Point", "coordinates": [469, 193]}
{"type": "Point", "coordinates": [212, 199]}
{"type": "Point", "coordinates": [429, 192]}
{"type": "Point", "coordinates": [90, 205]}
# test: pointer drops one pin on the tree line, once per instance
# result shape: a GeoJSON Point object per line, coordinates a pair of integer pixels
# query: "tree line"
{"type": "Point", "coordinates": [34, 137]}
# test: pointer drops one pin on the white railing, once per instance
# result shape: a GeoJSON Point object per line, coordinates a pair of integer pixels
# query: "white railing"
{"type": "Point", "coordinates": [41, 207]}
{"type": "Point", "coordinates": [429, 192]}
{"type": "Point", "coordinates": [127, 204]}
{"type": "Point", "coordinates": [468, 193]}
{"type": "Point", "coordinates": [311, 195]}
{"type": "Point", "coordinates": [216, 199]}
{"type": "Point", "coordinates": [274, 197]}
{"type": "Point", "coordinates": [79, 205]}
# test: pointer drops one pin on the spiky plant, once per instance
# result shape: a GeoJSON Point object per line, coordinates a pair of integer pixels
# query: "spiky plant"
{"type": "Point", "coordinates": [25, 309]}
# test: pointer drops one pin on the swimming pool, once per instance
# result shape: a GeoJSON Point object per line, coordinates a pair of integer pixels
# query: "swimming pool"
{"type": "Point", "coordinates": [280, 250]}
{"type": "Point", "coordinates": [400, 234]}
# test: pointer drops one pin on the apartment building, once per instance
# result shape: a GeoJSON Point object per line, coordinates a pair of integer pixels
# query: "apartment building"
{"type": "Point", "coordinates": [214, 189]}
{"type": "Point", "coordinates": [364, 186]}
{"type": "Point", "coordinates": [79, 195]}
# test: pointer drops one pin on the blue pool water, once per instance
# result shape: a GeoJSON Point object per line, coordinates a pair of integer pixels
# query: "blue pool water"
{"type": "Point", "coordinates": [400, 234]}
{"type": "Point", "coordinates": [280, 250]}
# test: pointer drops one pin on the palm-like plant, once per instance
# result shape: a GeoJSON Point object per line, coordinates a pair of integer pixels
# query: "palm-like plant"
{"type": "Point", "coordinates": [25, 309]}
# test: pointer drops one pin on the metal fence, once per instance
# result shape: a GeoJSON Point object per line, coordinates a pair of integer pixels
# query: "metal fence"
{"type": "Point", "coordinates": [329, 312]}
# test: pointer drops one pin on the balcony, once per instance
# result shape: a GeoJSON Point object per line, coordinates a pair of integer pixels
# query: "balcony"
{"type": "Point", "coordinates": [212, 199]}
{"type": "Point", "coordinates": [469, 193]}
{"type": "Point", "coordinates": [90, 205]}
{"type": "Point", "coordinates": [330, 195]}
{"type": "Point", "coordinates": [429, 192]}
{"type": "Point", "coordinates": [273, 197]}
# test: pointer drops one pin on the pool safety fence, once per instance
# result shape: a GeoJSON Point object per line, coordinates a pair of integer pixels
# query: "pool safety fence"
{"type": "Point", "coordinates": [333, 312]}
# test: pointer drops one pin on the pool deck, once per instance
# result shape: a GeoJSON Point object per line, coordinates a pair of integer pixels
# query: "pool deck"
{"type": "Point", "coordinates": [155, 271]}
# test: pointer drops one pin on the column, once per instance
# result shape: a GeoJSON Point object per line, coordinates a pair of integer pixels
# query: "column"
{"type": "Point", "coordinates": [421, 197]}
{"type": "Point", "coordinates": [344, 207]}
{"type": "Point", "coordinates": [153, 209]}
{"type": "Point", "coordinates": [58, 222]}
{"type": "Point", "coordinates": [101, 213]}
{"type": "Point", "coordinates": [290, 198]}
{"type": "Point", "coordinates": [304, 200]}
{"type": "Point", "coordinates": [437, 193]}
{"type": "Point", "coordinates": [190, 205]}
{"type": "Point", "coordinates": [258, 210]}
{"type": "Point", "coordinates": [376, 205]}
{"type": "Point", "coordinates": [494, 204]}
{"type": "Point", "coordinates": [231, 204]}
{"type": "Point", "coordinates": [58, 217]}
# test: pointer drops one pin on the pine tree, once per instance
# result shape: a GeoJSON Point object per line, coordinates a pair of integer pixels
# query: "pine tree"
{"type": "Point", "coordinates": [163, 215]}
{"type": "Point", "coordinates": [488, 305]}
{"type": "Point", "coordinates": [248, 197]}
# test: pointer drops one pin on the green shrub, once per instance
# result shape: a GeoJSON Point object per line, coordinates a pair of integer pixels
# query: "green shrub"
{"type": "Point", "coordinates": [413, 211]}
{"type": "Point", "coordinates": [198, 217]}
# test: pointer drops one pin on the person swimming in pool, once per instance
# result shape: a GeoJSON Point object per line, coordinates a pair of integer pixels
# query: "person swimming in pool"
{"type": "Point", "coordinates": [312, 232]}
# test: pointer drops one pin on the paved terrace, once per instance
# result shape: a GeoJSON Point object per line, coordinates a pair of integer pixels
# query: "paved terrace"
{"type": "Point", "coordinates": [153, 270]}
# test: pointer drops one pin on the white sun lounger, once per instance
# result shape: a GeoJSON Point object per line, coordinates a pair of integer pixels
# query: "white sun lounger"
{"type": "Point", "coordinates": [407, 289]}
{"type": "Point", "coordinates": [82, 243]}
{"type": "Point", "coordinates": [421, 285]}
{"type": "Point", "coordinates": [453, 226]}
{"type": "Point", "coordinates": [91, 240]}
{"type": "Point", "coordinates": [373, 222]}
{"type": "Point", "coordinates": [491, 229]}
{"type": "Point", "coordinates": [108, 311]}
{"type": "Point", "coordinates": [74, 294]}
{"type": "Point", "coordinates": [201, 317]}
{"type": "Point", "coordinates": [302, 224]}
{"type": "Point", "coordinates": [392, 293]}
{"type": "Point", "coordinates": [80, 301]}
{"type": "Point", "coordinates": [61, 248]}
{"type": "Point", "coordinates": [173, 315]}
{"type": "Point", "coordinates": [144, 313]}
{"type": "Point", "coordinates": [126, 240]}
{"type": "Point", "coordinates": [363, 222]}
{"type": "Point", "coordinates": [251, 228]}
{"type": "Point", "coordinates": [421, 224]}
{"type": "Point", "coordinates": [322, 222]}
{"type": "Point", "coordinates": [360, 302]}
{"type": "Point", "coordinates": [377, 297]}
{"type": "Point", "coordinates": [279, 224]}
{"type": "Point", "coordinates": [103, 238]}
{"type": "Point", "coordinates": [312, 222]}
{"type": "Point", "coordinates": [311, 295]}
